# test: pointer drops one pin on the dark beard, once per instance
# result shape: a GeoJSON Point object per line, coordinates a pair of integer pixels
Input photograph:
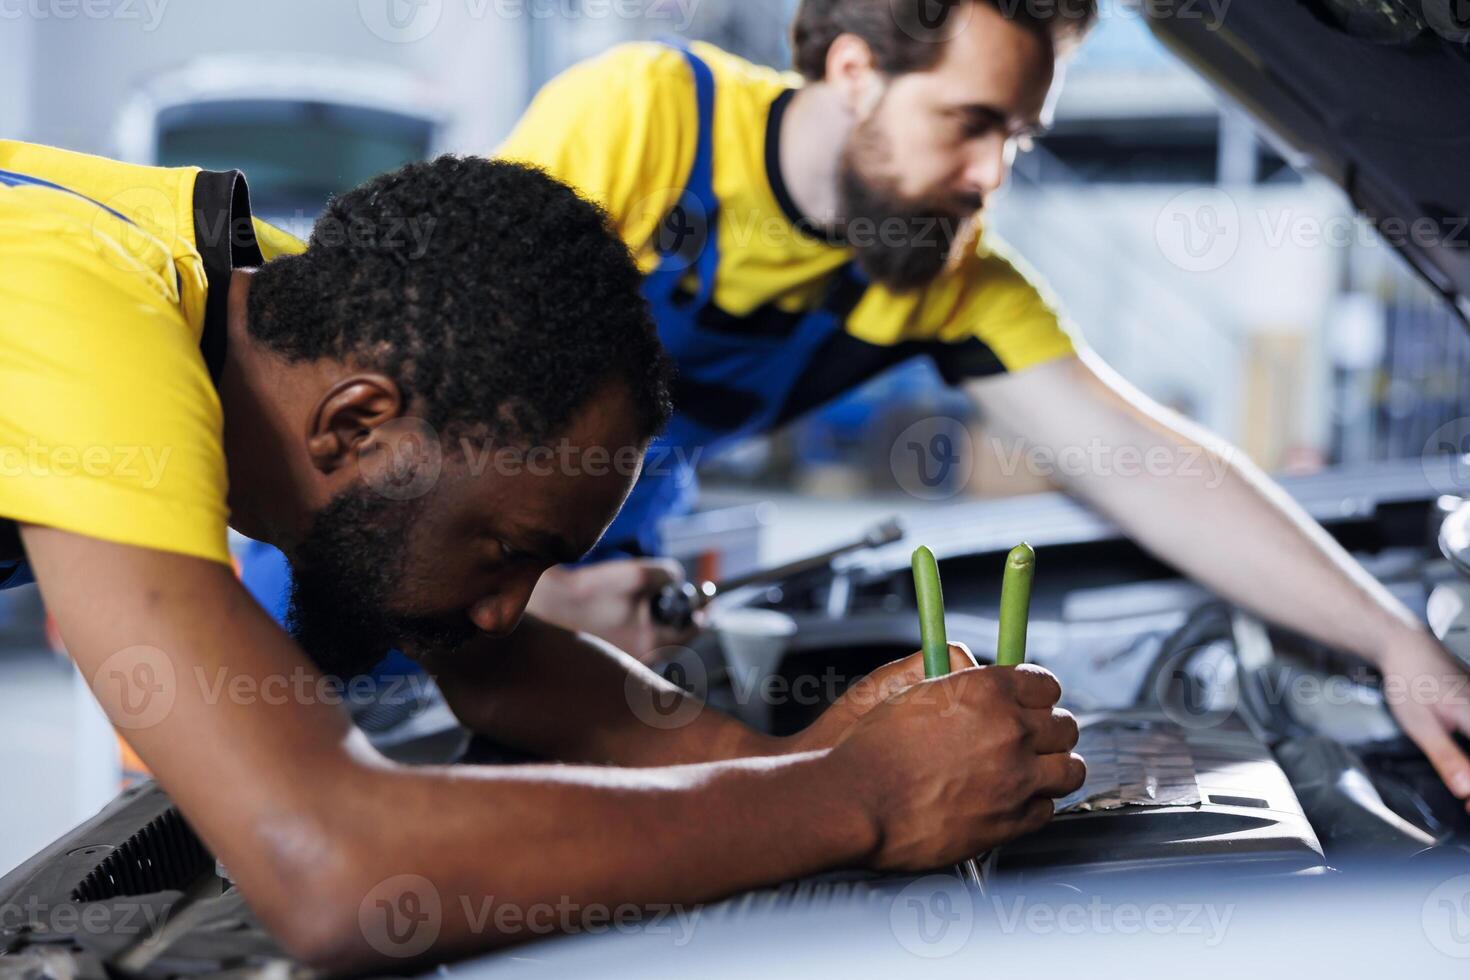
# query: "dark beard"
{"type": "Point", "coordinates": [346, 575]}
{"type": "Point", "coordinates": [899, 242]}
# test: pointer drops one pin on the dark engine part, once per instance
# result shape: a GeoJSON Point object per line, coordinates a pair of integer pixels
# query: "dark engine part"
{"type": "Point", "coordinates": [1338, 795]}
{"type": "Point", "coordinates": [132, 892]}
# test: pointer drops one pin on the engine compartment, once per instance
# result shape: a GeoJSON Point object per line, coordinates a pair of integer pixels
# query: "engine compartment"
{"type": "Point", "coordinates": [1264, 724]}
{"type": "Point", "coordinates": [1219, 749]}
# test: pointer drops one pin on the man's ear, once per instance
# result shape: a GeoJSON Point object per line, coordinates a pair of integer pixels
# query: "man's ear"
{"type": "Point", "coordinates": [347, 416]}
{"type": "Point", "coordinates": [853, 73]}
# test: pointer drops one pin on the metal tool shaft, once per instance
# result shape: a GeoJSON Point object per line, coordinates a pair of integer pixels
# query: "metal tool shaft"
{"type": "Point", "coordinates": [675, 605]}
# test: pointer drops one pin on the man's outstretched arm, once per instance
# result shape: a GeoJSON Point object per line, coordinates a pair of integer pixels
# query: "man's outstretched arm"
{"type": "Point", "coordinates": [1202, 506]}
{"type": "Point", "coordinates": [612, 600]}
{"type": "Point", "coordinates": [612, 710]}
{"type": "Point", "coordinates": [609, 708]}
{"type": "Point", "coordinates": [319, 831]}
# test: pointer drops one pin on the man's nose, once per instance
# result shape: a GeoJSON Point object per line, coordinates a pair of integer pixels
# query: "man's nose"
{"type": "Point", "coordinates": [500, 614]}
{"type": "Point", "coordinates": [987, 166]}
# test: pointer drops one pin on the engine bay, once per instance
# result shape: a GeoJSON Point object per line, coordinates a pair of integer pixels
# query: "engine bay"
{"type": "Point", "coordinates": [1218, 748]}
{"type": "Point", "coordinates": [1187, 703]}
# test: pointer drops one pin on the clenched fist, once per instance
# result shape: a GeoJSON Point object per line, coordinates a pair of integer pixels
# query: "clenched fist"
{"type": "Point", "coordinates": [951, 767]}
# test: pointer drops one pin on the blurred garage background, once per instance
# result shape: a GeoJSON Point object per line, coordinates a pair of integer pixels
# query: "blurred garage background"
{"type": "Point", "coordinates": [1188, 252]}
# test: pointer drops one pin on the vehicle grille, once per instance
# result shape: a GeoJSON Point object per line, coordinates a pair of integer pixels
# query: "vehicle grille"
{"type": "Point", "coordinates": [165, 855]}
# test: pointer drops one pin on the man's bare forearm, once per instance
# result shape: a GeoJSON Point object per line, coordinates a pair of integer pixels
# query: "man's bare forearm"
{"type": "Point", "coordinates": [1249, 542]}
{"type": "Point", "coordinates": [583, 841]}
{"type": "Point", "coordinates": [1199, 504]}
{"type": "Point", "coordinates": [206, 687]}
{"type": "Point", "coordinates": [1206, 509]}
{"type": "Point", "coordinates": [611, 709]}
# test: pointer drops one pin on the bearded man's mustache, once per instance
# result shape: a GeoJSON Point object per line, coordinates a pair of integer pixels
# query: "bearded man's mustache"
{"type": "Point", "coordinates": [900, 242]}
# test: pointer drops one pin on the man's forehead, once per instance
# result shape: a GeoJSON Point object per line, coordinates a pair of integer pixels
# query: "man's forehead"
{"type": "Point", "coordinates": [494, 512]}
{"type": "Point", "coordinates": [998, 62]}
{"type": "Point", "coordinates": [546, 504]}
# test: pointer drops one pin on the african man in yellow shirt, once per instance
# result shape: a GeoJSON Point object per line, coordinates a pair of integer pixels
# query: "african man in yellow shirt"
{"type": "Point", "coordinates": [800, 233]}
{"type": "Point", "coordinates": [376, 403]}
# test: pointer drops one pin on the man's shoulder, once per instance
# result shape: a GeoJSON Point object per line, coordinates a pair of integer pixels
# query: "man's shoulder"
{"type": "Point", "coordinates": [731, 69]}
{"type": "Point", "coordinates": [38, 159]}
{"type": "Point", "coordinates": [154, 199]}
{"type": "Point", "coordinates": [122, 220]}
{"type": "Point", "coordinates": [648, 66]}
{"type": "Point", "coordinates": [662, 68]}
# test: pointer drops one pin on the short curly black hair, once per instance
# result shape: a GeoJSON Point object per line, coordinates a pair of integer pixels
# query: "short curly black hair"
{"type": "Point", "coordinates": [496, 298]}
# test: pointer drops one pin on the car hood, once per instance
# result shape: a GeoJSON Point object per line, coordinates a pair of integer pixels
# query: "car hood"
{"type": "Point", "coordinates": [1369, 93]}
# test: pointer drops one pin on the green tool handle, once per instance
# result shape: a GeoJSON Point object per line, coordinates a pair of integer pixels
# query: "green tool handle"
{"type": "Point", "coordinates": [931, 613]}
{"type": "Point", "coordinates": [1015, 606]}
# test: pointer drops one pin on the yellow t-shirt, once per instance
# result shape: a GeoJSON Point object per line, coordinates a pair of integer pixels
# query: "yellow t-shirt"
{"type": "Point", "coordinates": [113, 280]}
{"type": "Point", "coordinates": [623, 129]}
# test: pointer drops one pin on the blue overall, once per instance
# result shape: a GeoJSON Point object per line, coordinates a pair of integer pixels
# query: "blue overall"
{"type": "Point", "coordinates": [758, 371]}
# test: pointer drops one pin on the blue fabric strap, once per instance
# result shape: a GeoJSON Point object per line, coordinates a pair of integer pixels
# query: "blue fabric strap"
{"type": "Point", "coordinates": [697, 209]}
{"type": "Point", "coordinates": [14, 574]}
{"type": "Point", "coordinates": [702, 176]}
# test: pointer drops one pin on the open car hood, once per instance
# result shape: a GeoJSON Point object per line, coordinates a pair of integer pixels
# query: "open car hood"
{"type": "Point", "coordinates": [1370, 93]}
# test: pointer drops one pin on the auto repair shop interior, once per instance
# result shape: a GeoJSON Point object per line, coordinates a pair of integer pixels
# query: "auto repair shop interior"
{"type": "Point", "coordinates": [734, 487]}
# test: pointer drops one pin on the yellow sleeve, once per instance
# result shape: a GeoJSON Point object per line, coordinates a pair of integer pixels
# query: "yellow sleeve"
{"type": "Point", "coordinates": [1003, 304]}
{"type": "Point", "coordinates": [621, 129]}
{"type": "Point", "coordinates": [109, 426]}
{"type": "Point", "coordinates": [274, 242]}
